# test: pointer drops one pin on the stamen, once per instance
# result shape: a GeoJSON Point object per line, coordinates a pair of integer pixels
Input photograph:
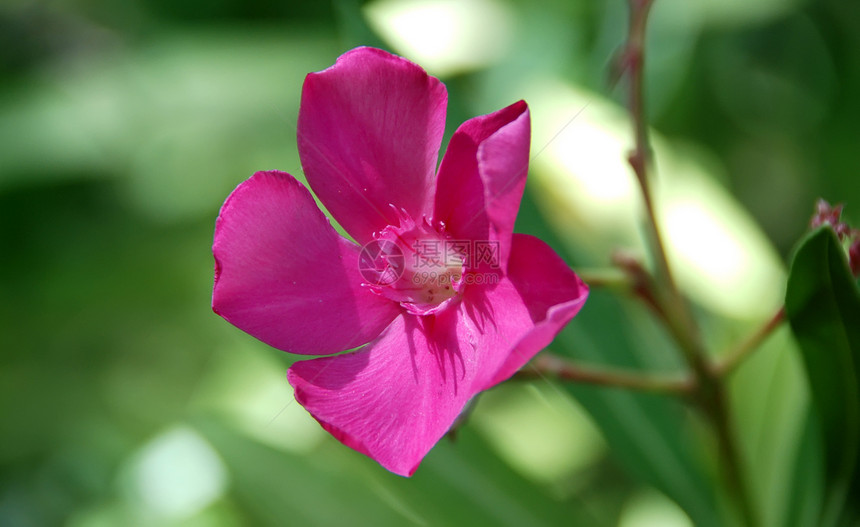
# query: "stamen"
{"type": "Point", "coordinates": [429, 272]}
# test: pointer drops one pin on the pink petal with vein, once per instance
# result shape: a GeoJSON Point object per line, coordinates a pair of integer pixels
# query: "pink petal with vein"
{"type": "Point", "coordinates": [285, 276]}
{"type": "Point", "coordinates": [369, 133]}
{"type": "Point", "coordinates": [547, 288]}
{"type": "Point", "coordinates": [394, 399]}
{"type": "Point", "coordinates": [482, 176]}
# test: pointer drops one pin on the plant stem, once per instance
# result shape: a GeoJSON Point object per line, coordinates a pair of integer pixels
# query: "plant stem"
{"type": "Point", "coordinates": [709, 391]}
{"type": "Point", "coordinates": [716, 407]}
{"type": "Point", "coordinates": [733, 358]}
{"type": "Point", "coordinates": [548, 365]}
{"type": "Point", "coordinates": [681, 321]}
{"type": "Point", "coordinates": [609, 277]}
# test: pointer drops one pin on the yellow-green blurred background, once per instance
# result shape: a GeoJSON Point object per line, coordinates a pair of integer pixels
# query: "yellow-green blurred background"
{"type": "Point", "coordinates": [123, 126]}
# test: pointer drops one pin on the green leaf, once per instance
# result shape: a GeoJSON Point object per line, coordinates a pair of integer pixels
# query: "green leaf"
{"type": "Point", "coordinates": [458, 484]}
{"type": "Point", "coordinates": [806, 481]}
{"type": "Point", "coordinates": [771, 406]}
{"type": "Point", "coordinates": [822, 302]}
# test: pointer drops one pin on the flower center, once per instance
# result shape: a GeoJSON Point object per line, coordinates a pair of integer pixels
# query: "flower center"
{"type": "Point", "coordinates": [415, 264]}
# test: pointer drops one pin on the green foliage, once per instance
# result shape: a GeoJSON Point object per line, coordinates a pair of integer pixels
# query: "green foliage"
{"type": "Point", "coordinates": [823, 305]}
{"type": "Point", "coordinates": [462, 484]}
{"type": "Point", "coordinates": [654, 437]}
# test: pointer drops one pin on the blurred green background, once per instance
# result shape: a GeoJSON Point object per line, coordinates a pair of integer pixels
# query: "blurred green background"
{"type": "Point", "coordinates": [123, 126]}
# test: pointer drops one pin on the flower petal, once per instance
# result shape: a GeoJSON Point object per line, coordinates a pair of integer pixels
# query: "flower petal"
{"type": "Point", "coordinates": [394, 399]}
{"type": "Point", "coordinates": [482, 176]}
{"type": "Point", "coordinates": [285, 276]}
{"type": "Point", "coordinates": [369, 133]}
{"type": "Point", "coordinates": [546, 295]}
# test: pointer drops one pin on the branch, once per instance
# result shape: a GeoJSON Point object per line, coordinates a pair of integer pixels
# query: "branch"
{"type": "Point", "coordinates": [548, 365]}
{"type": "Point", "coordinates": [709, 391]}
{"type": "Point", "coordinates": [677, 312]}
{"type": "Point", "coordinates": [605, 277]}
{"type": "Point", "coordinates": [732, 359]}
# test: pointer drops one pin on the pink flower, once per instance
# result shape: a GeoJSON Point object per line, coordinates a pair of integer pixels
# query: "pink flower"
{"type": "Point", "coordinates": [827, 214]}
{"type": "Point", "coordinates": [444, 300]}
